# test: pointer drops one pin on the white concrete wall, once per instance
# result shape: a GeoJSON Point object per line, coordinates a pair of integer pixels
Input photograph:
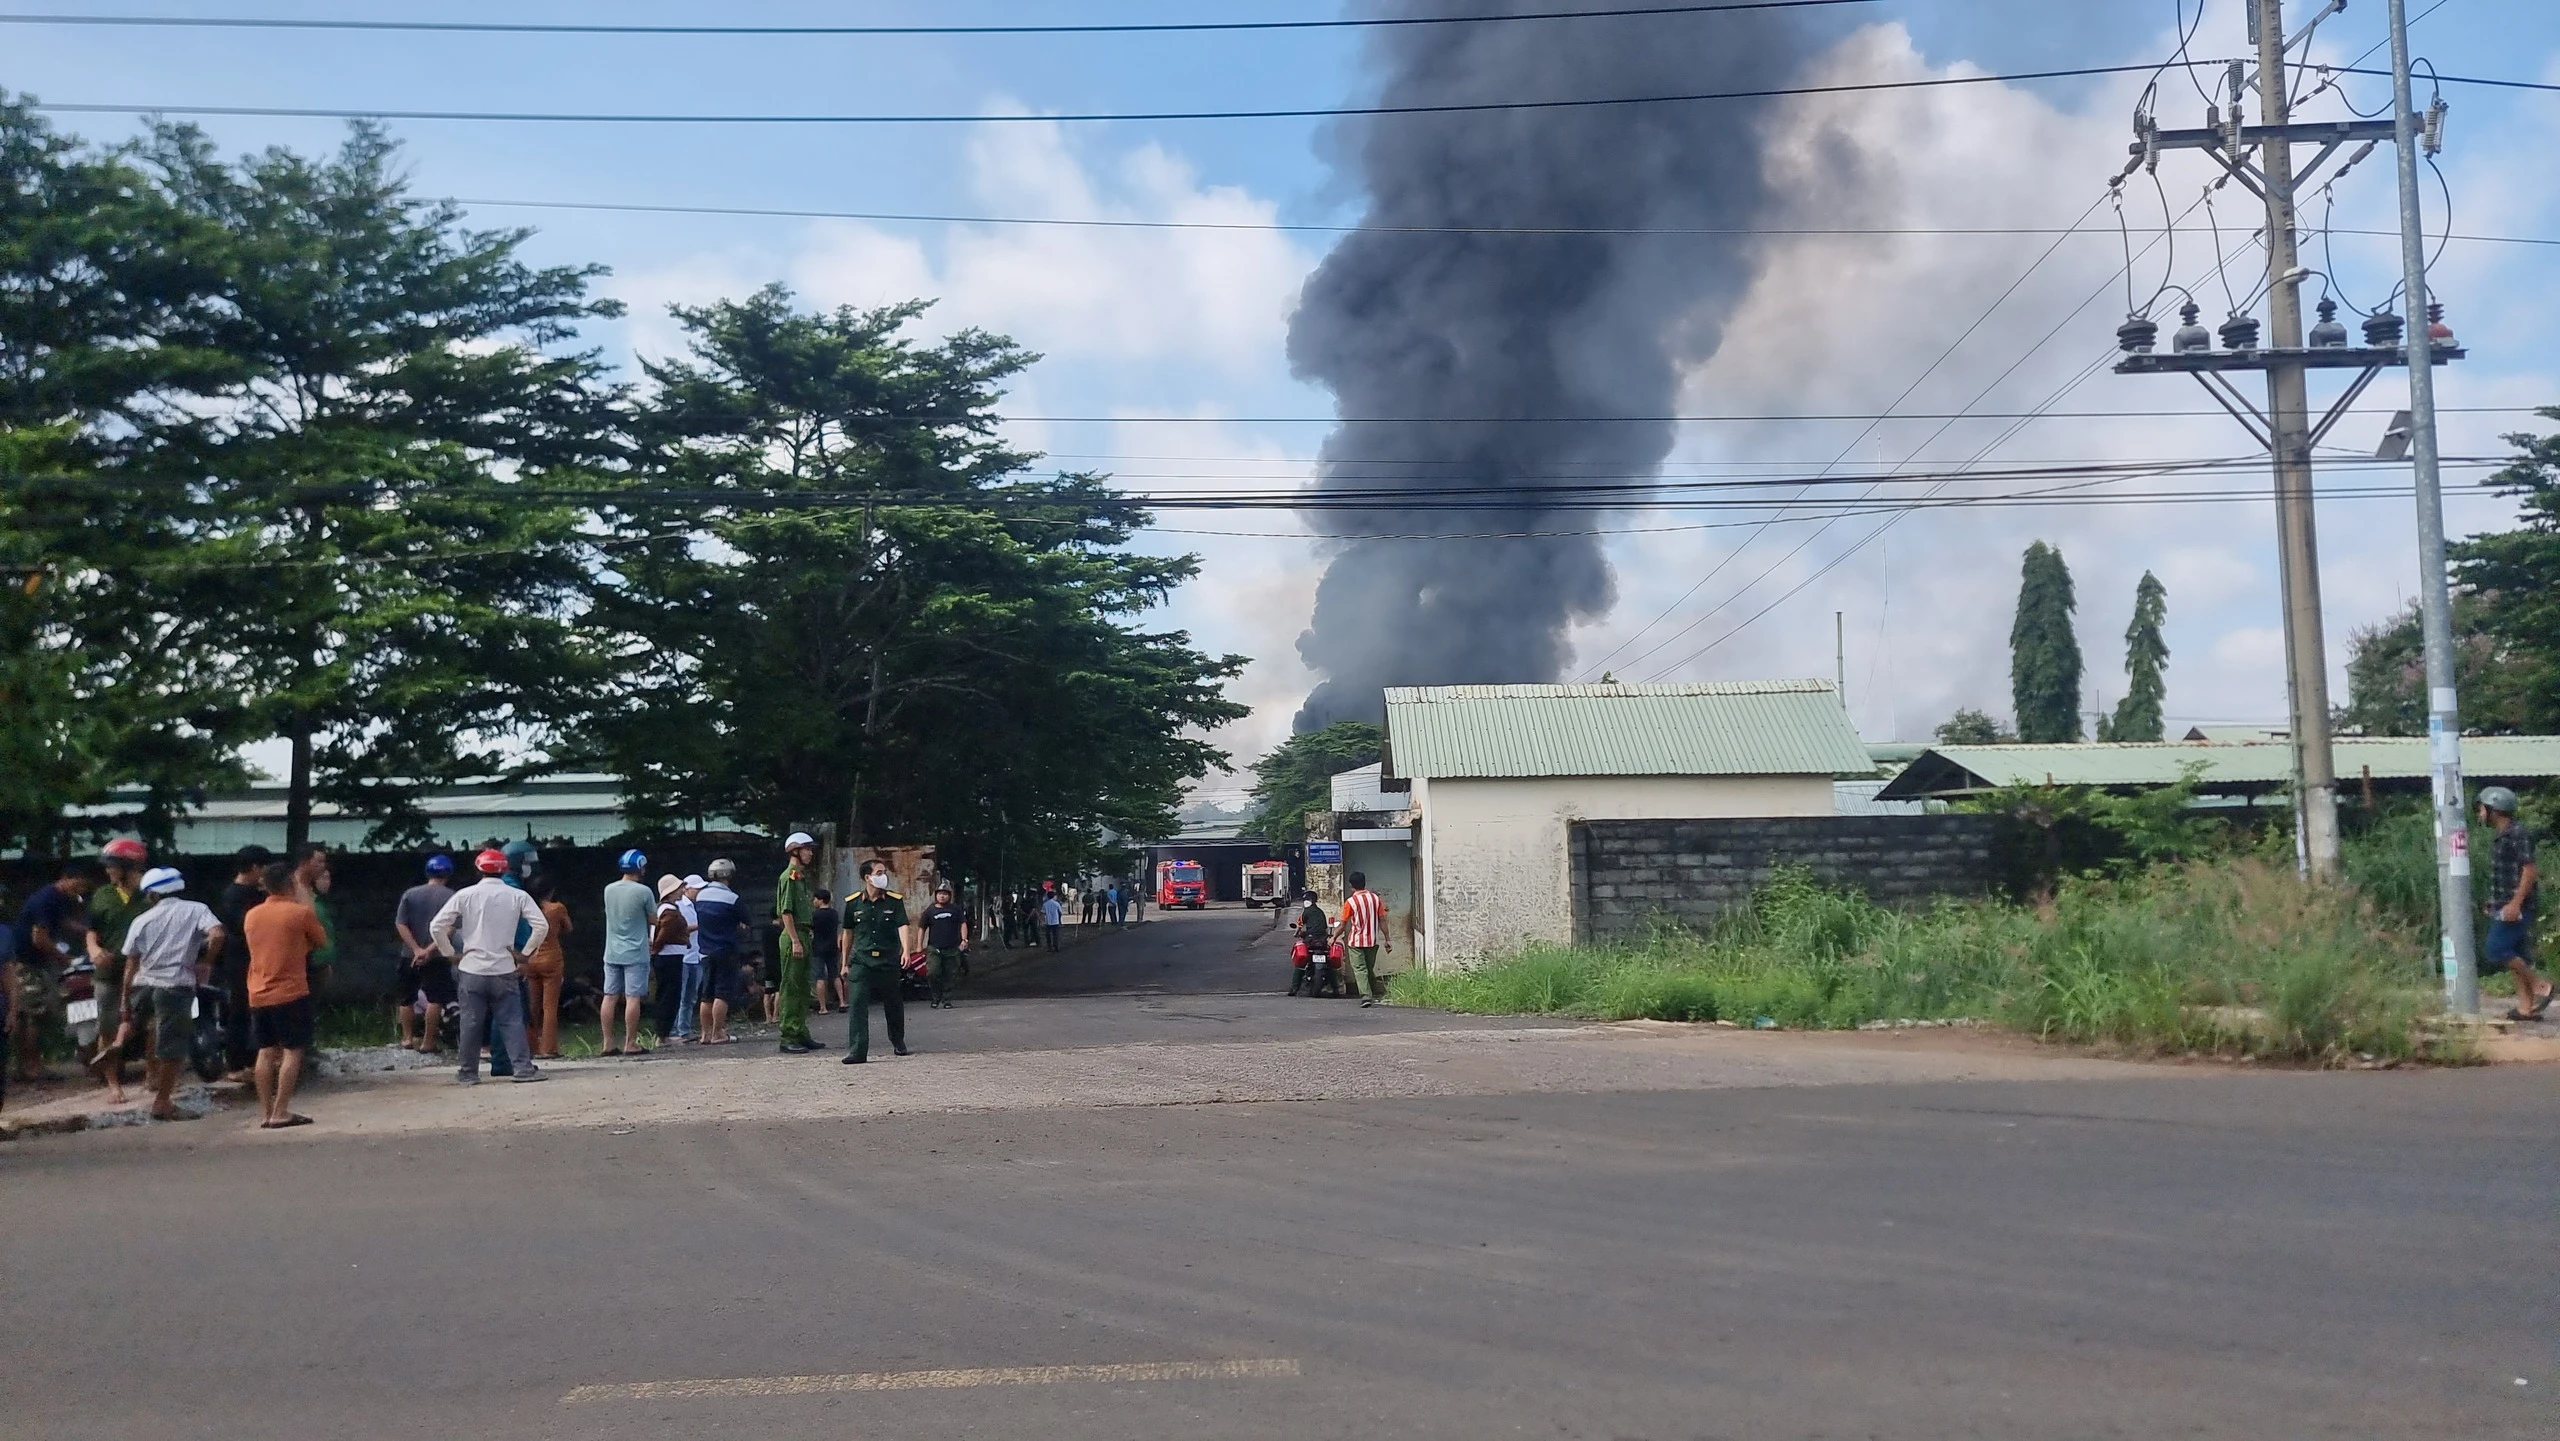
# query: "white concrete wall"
{"type": "Point", "coordinates": [1497, 865]}
{"type": "Point", "coordinates": [1389, 866]}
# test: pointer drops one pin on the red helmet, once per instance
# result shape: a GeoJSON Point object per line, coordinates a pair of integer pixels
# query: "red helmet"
{"type": "Point", "coordinates": [125, 850]}
{"type": "Point", "coordinates": [492, 863]}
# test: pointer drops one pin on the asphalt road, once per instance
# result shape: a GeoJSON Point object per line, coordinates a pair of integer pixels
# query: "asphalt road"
{"type": "Point", "coordinates": [2215, 1254]}
{"type": "Point", "coordinates": [1216, 975]}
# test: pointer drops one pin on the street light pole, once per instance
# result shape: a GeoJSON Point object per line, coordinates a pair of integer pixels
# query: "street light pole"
{"type": "Point", "coordinates": [2435, 601]}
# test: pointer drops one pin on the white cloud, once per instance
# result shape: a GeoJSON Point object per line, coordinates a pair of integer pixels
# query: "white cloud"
{"type": "Point", "coordinates": [1845, 324]}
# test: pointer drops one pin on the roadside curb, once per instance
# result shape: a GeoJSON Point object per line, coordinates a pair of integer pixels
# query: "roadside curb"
{"type": "Point", "coordinates": [194, 1102]}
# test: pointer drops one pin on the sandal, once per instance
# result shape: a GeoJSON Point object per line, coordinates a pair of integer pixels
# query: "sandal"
{"type": "Point", "coordinates": [2514, 1014]}
{"type": "Point", "coordinates": [288, 1121]}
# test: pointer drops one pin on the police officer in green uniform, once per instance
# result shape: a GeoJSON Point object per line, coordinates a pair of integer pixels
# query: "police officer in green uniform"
{"type": "Point", "coordinates": [875, 925]}
{"type": "Point", "coordinates": [795, 913]}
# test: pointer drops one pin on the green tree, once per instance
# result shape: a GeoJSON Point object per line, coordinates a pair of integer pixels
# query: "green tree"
{"type": "Point", "coordinates": [2146, 654]}
{"type": "Point", "coordinates": [384, 574]}
{"type": "Point", "coordinates": [1297, 777]}
{"type": "Point", "coordinates": [845, 598]}
{"type": "Point", "coordinates": [2387, 675]}
{"type": "Point", "coordinates": [111, 300]}
{"type": "Point", "coordinates": [1969, 727]}
{"type": "Point", "coordinates": [2512, 578]}
{"type": "Point", "coordinates": [2044, 655]}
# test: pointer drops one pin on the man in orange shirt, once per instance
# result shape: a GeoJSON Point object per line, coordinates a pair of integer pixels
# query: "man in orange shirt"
{"type": "Point", "coordinates": [282, 933]}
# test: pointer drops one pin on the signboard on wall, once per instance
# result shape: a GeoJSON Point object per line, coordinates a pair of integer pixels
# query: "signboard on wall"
{"type": "Point", "coordinates": [1324, 853]}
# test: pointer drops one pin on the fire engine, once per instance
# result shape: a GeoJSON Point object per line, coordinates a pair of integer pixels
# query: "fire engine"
{"type": "Point", "coordinates": [1265, 883]}
{"type": "Point", "coordinates": [1181, 883]}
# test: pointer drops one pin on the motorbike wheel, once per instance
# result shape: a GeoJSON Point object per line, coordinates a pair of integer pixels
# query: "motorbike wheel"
{"type": "Point", "coordinates": [205, 1054]}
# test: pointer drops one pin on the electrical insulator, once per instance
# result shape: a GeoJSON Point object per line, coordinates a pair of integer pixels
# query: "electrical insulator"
{"type": "Point", "coordinates": [2191, 339]}
{"type": "Point", "coordinates": [2138, 335]}
{"type": "Point", "coordinates": [2435, 127]}
{"type": "Point", "coordinates": [2328, 334]}
{"type": "Point", "coordinates": [2439, 334]}
{"type": "Point", "coordinates": [2382, 330]}
{"type": "Point", "coordinates": [2240, 333]}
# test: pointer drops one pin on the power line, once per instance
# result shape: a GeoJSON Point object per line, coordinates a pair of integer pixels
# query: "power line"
{"type": "Point", "coordinates": [1313, 112]}
{"type": "Point", "coordinates": [475, 27]}
{"type": "Point", "coordinates": [1295, 113]}
{"type": "Point", "coordinates": [1724, 419]}
{"type": "Point", "coordinates": [1256, 227]}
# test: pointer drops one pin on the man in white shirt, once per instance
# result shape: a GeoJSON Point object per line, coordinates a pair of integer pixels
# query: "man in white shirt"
{"type": "Point", "coordinates": [479, 928]}
{"type": "Point", "coordinates": [171, 949]}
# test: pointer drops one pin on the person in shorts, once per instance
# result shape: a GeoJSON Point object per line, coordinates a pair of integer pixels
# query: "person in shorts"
{"type": "Point", "coordinates": [720, 918]}
{"type": "Point", "coordinates": [281, 933]}
{"type": "Point", "coordinates": [425, 975]}
{"type": "Point", "coordinates": [627, 909]}
{"type": "Point", "coordinates": [53, 927]}
{"type": "Point", "coordinates": [2515, 886]}
{"type": "Point", "coordinates": [231, 968]}
{"type": "Point", "coordinates": [826, 959]}
{"type": "Point", "coordinates": [172, 947]}
{"type": "Point", "coordinates": [113, 908]}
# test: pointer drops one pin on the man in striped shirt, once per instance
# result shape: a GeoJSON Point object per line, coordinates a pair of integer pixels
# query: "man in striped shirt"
{"type": "Point", "coordinates": [1364, 928]}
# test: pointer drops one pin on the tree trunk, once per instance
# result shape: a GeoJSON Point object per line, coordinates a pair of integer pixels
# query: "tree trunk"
{"type": "Point", "coordinates": [297, 795]}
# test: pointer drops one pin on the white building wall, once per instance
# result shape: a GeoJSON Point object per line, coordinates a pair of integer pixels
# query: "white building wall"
{"type": "Point", "coordinates": [1497, 864]}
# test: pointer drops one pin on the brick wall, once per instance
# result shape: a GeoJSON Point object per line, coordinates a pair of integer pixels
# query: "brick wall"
{"type": "Point", "coordinates": [1626, 873]}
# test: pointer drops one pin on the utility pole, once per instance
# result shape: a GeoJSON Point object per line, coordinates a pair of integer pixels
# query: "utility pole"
{"type": "Point", "coordinates": [1840, 656]}
{"type": "Point", "coordinates": [2285, 426]}
{"type": "Point", "coordinates": [2435, 601]}
{"type": "Point", "coordinates": [2306, 650]}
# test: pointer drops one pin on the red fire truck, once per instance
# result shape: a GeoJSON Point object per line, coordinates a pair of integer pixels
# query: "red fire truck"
{"type": "Point", "coordinates": [1182, 883]}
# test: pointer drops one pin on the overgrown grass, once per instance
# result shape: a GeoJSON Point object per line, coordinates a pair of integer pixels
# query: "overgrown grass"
{"type": "Point", "coordinates": [2232, 957]}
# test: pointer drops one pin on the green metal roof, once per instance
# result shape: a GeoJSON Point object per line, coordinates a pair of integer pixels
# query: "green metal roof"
{"type": "Point", "coordinates": [2254, 766]}
{"type": "Point", "coordinates": [1707, 728]}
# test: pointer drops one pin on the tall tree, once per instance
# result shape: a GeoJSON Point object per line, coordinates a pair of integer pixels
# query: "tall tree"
{"type": "Point", "coordinates": [111, 299]}
{"type": "Point", "coordinates": [2506, 621]}
{"type": "Point", "coordinates": [2044, 655]}
{"type": "Point", "coordinates": [393, 585]}
{"type": "Point", "coordinates": [2146, 656]}
{"type": "Point", "coordinates": [1297, 777]}
{"type": "Point", "coordinates": [2514, 578]}
{"type": "Point", "coordinates": [845, 598]}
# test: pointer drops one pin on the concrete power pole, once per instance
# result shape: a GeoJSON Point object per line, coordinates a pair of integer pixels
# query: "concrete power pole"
{"type": "Point", "coordinates": [2435, 602]}
{"type": "Point", "coordinates": [2285, 426]}
{"type": "Point", "coordinates": [2306, 651]}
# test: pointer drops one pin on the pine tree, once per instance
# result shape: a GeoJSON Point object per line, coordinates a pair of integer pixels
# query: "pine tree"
{"type": "Point", "coordinates": [2137, 716]}
{"type": "Point", "coordinates": [2044, 656]}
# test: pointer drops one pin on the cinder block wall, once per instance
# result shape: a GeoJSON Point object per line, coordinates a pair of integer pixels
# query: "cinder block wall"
{"type": "Point", "coordinates": [1626, 873]}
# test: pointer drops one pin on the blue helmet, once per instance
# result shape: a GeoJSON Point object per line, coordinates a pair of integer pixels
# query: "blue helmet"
{"type": "Point", "coordinates": [633, 861]}
{"type": "Point", "coordinates": [439, 865]}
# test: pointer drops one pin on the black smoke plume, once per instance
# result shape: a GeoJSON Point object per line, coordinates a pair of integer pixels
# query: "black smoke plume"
{"type": "Point", "coordinates": [1517, 360]}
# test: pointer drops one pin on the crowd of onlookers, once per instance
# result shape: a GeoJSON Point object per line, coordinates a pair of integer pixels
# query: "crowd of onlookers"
{"type": "Point", "coordinates": [115, 956]}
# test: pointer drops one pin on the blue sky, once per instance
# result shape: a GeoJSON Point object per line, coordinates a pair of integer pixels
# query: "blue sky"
{"type": "Point", "coordinates": [1140, 324]}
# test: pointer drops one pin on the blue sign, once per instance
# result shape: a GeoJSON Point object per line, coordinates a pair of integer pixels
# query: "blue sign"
{"type": "Point", "coordinates": [1324, 853]}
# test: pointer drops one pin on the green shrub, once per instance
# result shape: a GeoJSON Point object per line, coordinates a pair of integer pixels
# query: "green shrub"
{"type": "Point", "coordinates": [2233, 956]}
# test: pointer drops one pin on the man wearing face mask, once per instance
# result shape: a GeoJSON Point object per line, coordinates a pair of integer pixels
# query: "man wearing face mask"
{"type": "Point", "coordinates": [875, 941]}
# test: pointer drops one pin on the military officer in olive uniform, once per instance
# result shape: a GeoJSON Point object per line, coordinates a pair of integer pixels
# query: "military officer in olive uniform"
{"type": "Point", "coordinates": [795, 913]}
{"type": "Point", "coordinates": [875, 942]}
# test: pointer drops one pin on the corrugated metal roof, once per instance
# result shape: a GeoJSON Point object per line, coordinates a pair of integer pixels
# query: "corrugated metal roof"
{"type": "Point", "coordinates": [2254, 766]}
{"type": "Point", "coordinates": [1705, 728]}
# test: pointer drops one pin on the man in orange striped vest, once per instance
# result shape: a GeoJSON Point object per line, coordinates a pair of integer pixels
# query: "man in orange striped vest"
{"type": "Point", "coordinates": [1364, 929]}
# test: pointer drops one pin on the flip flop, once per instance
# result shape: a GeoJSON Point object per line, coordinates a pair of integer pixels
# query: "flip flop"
{"type": "Point", "coordinates": [286, 1123]}
{"type": "Point", "coordinates": [2515, 1015]}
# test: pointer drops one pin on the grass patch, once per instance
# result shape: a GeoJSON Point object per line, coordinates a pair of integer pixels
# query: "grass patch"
{"type": "Point", "coordinates": [2232, 957]}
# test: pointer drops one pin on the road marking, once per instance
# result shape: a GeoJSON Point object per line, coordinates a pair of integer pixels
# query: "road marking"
{"type": "Point", "coordinates": [938, 1380]}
